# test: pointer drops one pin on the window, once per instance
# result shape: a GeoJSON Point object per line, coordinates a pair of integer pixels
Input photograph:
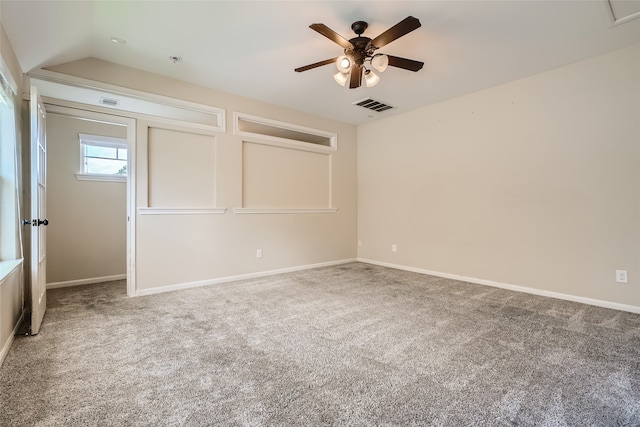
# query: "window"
{"type": "Point", "coordinates": [10, 250]}
{"type": "Point", "coordinates": [102, 158]}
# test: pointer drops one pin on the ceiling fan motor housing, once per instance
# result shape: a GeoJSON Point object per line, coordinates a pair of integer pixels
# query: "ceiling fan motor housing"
{"type": "Point", "coordinates": [361, 49]}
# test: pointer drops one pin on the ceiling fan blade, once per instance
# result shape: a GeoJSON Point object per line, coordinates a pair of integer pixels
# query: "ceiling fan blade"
{"type": "Point", "coordinates": [400, 29]}
{"type": "Point", "coordinates": [407, 64]}
{"type": "Point", "coordinates": [356, 77]}
{"type": "Point", "coordinates": [331, 35]}
{"type": "Point", "coordinates": [316, 64]}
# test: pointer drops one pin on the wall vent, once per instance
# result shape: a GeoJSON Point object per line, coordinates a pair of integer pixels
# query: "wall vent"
{"type": "Point", "coordinates": [109, 102]}
{"type": "Point", "coordinates": [374, 105]}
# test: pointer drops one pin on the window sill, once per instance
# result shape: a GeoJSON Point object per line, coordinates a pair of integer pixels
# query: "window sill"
{"type": "Point", "coordinates": [104, 178]}
{"type": "Point", "coordinates": [8, 267]}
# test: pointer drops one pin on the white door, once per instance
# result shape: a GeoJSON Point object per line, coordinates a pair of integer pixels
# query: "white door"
{"type": "Point", "coordinates": [38, 211]}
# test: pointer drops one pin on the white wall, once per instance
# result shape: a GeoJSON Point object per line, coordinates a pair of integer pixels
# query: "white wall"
{"type": "Point", "coordinates": [86, 235]}
{"type": "Point", "coordinates": [181, 249]}
{"type": "Point", "coordinates": [534, 183]}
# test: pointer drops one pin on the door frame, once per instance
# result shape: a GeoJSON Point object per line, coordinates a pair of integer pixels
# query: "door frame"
{"type": "Point", "coordinates": [130, 124]}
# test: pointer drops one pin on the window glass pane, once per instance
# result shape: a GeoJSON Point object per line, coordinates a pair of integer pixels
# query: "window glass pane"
{"type": "Point", "coordinates": [105, 166]}
{"type": "Point", "coordinates": [99, 151]}
{"type": "Point", "coordinates": [9, 231]}
{"type": "Point", "coordinates": [103, 155]}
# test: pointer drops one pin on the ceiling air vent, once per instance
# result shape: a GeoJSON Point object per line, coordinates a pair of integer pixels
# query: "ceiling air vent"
{"type": "Point", "coordinates": [109, 102]}
{"type": "Point", "coordinates": [374, 105]}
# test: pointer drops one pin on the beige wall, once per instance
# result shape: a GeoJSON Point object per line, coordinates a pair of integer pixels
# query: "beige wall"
{"type": "Point", "coordinates": [534, 183]}
{"type": "Point", "coordinates": [11, 289]}
{"type": "Point", "coordinates": [179, 248]}
{"type": "Point", "coordinates": [86, 235]}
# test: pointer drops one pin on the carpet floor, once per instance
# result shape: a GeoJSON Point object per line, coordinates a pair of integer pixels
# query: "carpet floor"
{"type": "Point", "coordinates": [354, 344]}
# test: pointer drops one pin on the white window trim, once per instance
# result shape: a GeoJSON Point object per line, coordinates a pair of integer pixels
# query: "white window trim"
{"type": "Point", "coordinates": [6, 75]}
{"type": "Point", "coordinates": [11, 251]}
{"type": "Point", "coordinates": [100, 177]}
{"type": "Point", "coordinates": [105, 141]}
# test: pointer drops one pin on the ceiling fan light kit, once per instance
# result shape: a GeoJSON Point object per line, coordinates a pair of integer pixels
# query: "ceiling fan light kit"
{"type": "Point", "coordinates": [370, 78]}
{"type": "Point", "coordinates": [380, 62]}
{"type": "Point", "coordinates": [343, 64]}
{"type": "Point", "coordinates": [360, 53]}
{"type": "Point", "coordinates": [341, 78]}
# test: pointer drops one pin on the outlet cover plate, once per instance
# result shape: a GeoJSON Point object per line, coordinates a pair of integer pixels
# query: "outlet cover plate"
{"type": "Point", "coordinates": [621, 276]}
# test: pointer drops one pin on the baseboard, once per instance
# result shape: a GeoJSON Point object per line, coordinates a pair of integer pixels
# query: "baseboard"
{"type": "Point", "coordinates": [89, 281]}
{"type": "Point", "coordinates": [7, 345]}
{"type": "Point", "coordinates": [534, 291]}
{"type": "Point", "coordinates": [169, 288]}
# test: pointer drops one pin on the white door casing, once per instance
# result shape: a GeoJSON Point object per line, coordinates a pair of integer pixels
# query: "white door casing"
{"type": "Point", "coordinates": [38, 210]}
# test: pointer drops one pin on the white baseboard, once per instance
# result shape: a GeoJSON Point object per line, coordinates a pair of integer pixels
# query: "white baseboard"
{"type": "Point", "coordinates": [89, 281]}
{"type": "Point", "coordinates": [7, 345]}
{"type": "Point", "coordinates": [534, 291]}
{"type": "Point", "coordinates": [168, 288]}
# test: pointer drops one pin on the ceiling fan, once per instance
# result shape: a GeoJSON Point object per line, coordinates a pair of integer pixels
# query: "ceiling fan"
{"type": "Point", "coordinates": [361, 50]}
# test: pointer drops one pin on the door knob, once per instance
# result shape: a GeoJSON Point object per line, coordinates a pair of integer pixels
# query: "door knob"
{"type": "Point", "coordinates": [44, 222]}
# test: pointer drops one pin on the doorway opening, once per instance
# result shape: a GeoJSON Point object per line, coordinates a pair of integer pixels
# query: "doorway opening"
{"type": "Point", "coordinates": [90, 232]}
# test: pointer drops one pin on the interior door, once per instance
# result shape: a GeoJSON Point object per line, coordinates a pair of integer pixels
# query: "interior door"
{"type": "Point", "coordinates": [38, 211]}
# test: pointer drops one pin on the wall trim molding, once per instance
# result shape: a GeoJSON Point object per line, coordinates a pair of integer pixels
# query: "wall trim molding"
{"type": "Point", "coordinates": [89, 281]}
{"type": "Point", "coordinates": [7, 345]}
{"type": "Point", "coordinates": [141, 104]}
{"type": "Point", "coordinates": [284, 142]}
{"type": "Point", "coordinates": [517, 288]}
{"type": "Point", "coordinates": [180, 286]}
{"type": "Point", "coordinates": [181, 211]}
{"type": "Point", "coordinates": [284, 210]}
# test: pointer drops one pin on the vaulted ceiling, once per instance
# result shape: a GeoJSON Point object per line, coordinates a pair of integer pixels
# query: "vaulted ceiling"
{"type": "Point", "coordinates": [251, 48]}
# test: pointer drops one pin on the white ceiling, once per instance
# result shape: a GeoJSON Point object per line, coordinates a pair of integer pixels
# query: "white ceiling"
{"type": "Point", "coordinates": [251, 48]}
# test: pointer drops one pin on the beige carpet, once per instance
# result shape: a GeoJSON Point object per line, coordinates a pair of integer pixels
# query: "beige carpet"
{"type": "Point", "coordinates": [347, 345]}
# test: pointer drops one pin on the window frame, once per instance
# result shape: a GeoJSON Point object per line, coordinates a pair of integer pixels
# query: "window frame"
{"type": "Point", "coordinates": [100, 141]}
{"type": "Point", "coordinates": [11, 253]}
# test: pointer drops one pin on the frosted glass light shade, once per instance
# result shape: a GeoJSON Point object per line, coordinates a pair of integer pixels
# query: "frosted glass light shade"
{"type": "Point", "coordinates": [380, 62]}
{"type": "Point", "coordinates": [341, 78]}
{"type": "Point", "coordinates": [343, 63]}
{"type": "Point", "coordinates": [371, 79]}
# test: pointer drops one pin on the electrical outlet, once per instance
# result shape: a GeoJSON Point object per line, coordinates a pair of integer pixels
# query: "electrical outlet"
{"type": "Point", "coordinates": [359, 242]}
{"type": "Point", "coordinates": [394, 248]}
{"type": "Point", "coordinates": [621, 276]}
{"type": "Point", "coordinates": [259, 253]}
